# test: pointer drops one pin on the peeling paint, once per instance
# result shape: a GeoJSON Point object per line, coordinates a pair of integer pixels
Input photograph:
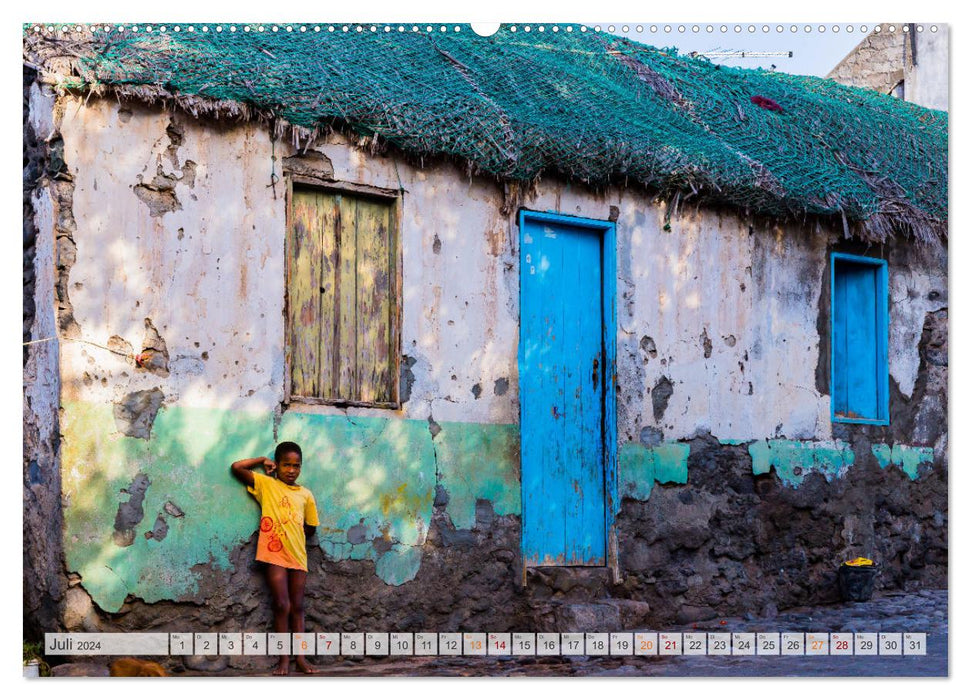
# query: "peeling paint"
{"type": "Point", "coordinates": [159, 530]}
{"type": "Point", "coordinates": [639, 467]}
{"type": "Point", "coordinates": [479, 461]}
{"type": "Point", "coordinates": [154, 356]}
{"type": "Point", "coordinates": [908, 458]}
{"type": "Point", "coordinates": [660, 395]}
{"type": "Point", "coordinates": [705, 342]}
{"type": "Point", "coordinates": [794, 460]}
{"type": "Point", "coordinates": [135, 414]}
{"type": "Point", "coordinates": [398, 565]}
{"type": "Point", "coordinates": [130, 513]}
{"type": "Point", "coordinates": [648, 347]}
{"type": "Point", "coordinates": [159, 193]}
{"type": "Point", "coordinates": [375, 481]}
{"type": "Point", "coordinates": [407, 379]}
{"type": "Point", "coordinates": [119, 345]}
{"type": "Point", "coordinates": [357, 534]}
{"type": "Point", "coordinates": [313, 163]}
{"type": "Point", "coordinates": [651, 437]}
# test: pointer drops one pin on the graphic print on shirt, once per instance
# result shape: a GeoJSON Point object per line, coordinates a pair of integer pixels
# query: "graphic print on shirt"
{"type": "Point", "coordinates": [286, 509]}
{"type": "Point", "coordinates": [277, 533]}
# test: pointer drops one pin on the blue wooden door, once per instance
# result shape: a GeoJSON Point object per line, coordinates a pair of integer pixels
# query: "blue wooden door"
{"type": "Point", "coordinates": [859, 330]}
{"type": "Point", "coordinates": [562, 393]}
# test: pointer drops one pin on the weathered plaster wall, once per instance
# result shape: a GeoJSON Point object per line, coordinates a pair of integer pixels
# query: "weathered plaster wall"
{"type": "Point", "coordinates": [738, 492]}
{"type": "Point", "coordinates": [755, 526]}
{"type": "Point", "coordinates": [460, 295]}
{"type": "Point", "coordinates": [716, 321]}
{"type": "Point", "coordinates": [721, 406]}
{"type": "Point", "coordinates": [186, 264]}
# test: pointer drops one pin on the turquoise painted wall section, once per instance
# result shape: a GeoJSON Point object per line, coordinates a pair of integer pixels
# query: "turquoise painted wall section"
{"type": "Point", "coordinates": [909, 459]}
{"type": "Point", "coordinates": [639, 467]}
{"type": "Point", "coordinates": [793, 460]}
{"type": "Point", "coordinates": [374, 475]}
{"type": "Point", "coordinates": [479, 461]}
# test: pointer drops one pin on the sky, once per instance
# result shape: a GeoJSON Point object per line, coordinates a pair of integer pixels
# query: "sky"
{"type": "Point", "coordinates": [812, 53]}
{"type": "Point", "coordinates": [803, 49]}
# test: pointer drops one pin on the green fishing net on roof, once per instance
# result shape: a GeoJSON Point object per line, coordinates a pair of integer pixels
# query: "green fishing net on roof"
{"type": "Point", "coordinates": [583, 105]}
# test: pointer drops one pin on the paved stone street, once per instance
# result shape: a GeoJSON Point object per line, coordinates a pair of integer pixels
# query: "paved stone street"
{"type": "Point", "coordinates": [894, 612]}
{"type": "Point", "coordinates": [920, 612]}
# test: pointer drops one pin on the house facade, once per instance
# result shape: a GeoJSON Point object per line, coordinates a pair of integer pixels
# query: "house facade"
{"type": "Point", "coordinates": [546, 405]}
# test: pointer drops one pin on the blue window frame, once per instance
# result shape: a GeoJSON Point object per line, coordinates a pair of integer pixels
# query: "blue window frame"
{"type": "Point", "coordinates": [859, 375]}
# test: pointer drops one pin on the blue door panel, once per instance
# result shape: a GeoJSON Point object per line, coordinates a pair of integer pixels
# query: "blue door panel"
{"type": "Point", "coordinates": [561, 394]}
{"type": "Point", "coordinates": [857, 365]}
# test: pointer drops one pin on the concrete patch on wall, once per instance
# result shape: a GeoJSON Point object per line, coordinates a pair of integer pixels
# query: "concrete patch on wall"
{"type": "Point", "coordinates": [135, 414]}
{"type": "Point", "coordinates": [909, 459]}
{"type": "Point", "coordinates": [639, 467]}
{"type": "Point", "coordinates": [793, 459]}
{"type": "Point", "coordinates": [651, 437]}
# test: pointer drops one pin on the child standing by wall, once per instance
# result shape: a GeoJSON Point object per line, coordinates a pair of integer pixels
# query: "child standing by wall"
{"type": "Point", "coordinates": [289, 517]}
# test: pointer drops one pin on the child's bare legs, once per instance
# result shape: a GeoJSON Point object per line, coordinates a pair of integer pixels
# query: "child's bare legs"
{"type": "Point", "coordinates": [276, 577]}
{"type": "Point", "coordinates": [297, 581]}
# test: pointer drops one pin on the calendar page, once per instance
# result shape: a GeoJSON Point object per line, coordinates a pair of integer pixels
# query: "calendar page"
{"type": "Point", "coordinates": [516, 349]}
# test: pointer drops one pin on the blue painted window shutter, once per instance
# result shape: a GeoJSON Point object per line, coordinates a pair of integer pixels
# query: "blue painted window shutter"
{"type": "Point", "coordinates": [860, 375]}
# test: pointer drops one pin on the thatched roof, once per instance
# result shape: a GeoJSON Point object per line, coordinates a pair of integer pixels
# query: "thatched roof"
{"type": "Point", "coordinates": [587, 106]}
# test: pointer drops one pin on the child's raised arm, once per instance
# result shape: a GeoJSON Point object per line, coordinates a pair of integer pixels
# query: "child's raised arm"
{"type": "Point", "coordinates": [242, 469]}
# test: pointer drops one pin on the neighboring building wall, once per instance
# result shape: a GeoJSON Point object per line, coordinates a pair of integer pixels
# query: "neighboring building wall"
{"type": "Point", "coordinates": [928, 78]}
{"type": "Point", "coordinates": [884, 59]}
{"type": "Point", "coordinates": [722, 380]}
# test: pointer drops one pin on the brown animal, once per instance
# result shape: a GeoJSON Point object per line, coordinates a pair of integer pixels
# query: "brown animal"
{"type": "Point", "coordinates": [135, 668]}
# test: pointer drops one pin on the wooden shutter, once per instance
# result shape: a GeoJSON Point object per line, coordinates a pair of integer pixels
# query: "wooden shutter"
{"type": "Point", "coordinates": [342, 286]}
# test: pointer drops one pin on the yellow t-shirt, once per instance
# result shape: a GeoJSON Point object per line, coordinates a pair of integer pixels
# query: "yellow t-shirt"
{"type": "Point", "coordinates": [285, 511]}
